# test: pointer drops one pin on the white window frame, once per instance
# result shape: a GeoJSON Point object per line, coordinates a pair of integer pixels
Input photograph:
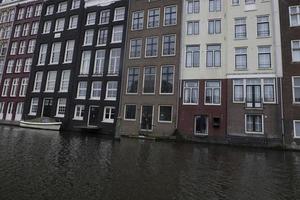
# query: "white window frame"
{"type": "Point", "coordinates": [294, 127]}
{"type": "Point", "coordinates": [158, 117]}
{"type": "Point", "coordinates": [262, 125]}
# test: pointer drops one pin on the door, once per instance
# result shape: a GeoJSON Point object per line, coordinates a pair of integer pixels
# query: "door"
{"type": "Point", "coordinates": [48, 103]}
{"type": "Point", "coordinates": [93, 116]}
{"type": "Point", "coordinates": [147, 118]}
{"type": "Point", "coordinates": [19, 111]}
{"type": "Point", "coordinates": [253, 96]}
{"type": "Point", "coordinates": [201, 125]}
{"type": "Point", "coordinates": [9, 111]}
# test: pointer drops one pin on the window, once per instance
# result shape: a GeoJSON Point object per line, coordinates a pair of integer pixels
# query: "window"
{"type": "Point", "coordinates": [114, 61]}
{"type": "Point", "coordinates": [34, 106]}
{"type": "Point", "coordinates": [240, 28]}
{"type": "Point", "coordinates": [81, 91]}
{"type": "Point", "coordinates": [135, 48]}
{"type": "Point", "coordinates": [193, 28]}
{"type": "Point", "coordinates": [269, 90]}
{"type": "Point", "coordinates": [238, 90]}
{"type": "Point", "coordinates": [119, 14]}
{"type": "Point", "coordinates": [151, 47]}
{"type": "Point", "coordinates": [88, 37]}
{"type": "Point", "coordinates": [37, 82]}
{"type": "Point", "coordinates": [1, 108]}
{"type": "Point", "coordinates": [96, 90]}
{"type": "Point", "coordinates": [294, 13]}
{"type": "Point", "coordinates": [64, 82]}
{"type": "Point", "coordinates": [214, 5]}
{"type": "Point", "coordinates": [22, 47]}
{"type": "Point", "coordinates": [16, 33]}
{"type": "Point", "coordinates": [263, 27]}
{"type": "Point", "coordinates": [55, 53]}
{"type": "Point", "coordinates": [153, 18]}
{"type": "Point", "coordinates": [165, 114]}
{"type": "Point", "coordinates": [13, 49]}
{"type": "Point", "coordinates": [18, 65]}
{"type": "Point", "coordinates": [51, 80]}
{"type": "Point", "coordinates": [247, 2]}
{"type": "Point", "coordinates": [59, 25]}
{"type": "Point", "coordinates": [264, 57]}
{"type": "Point", "coordinates": [254, 124]}
{"type": "Point", "coordinates": [130, 112]}
{"type": "Point", "coordinates": [91, 18]}
{"type": "Point", "coordinates": [104, 17]}
{"type": "Point", "coordinates": [20, 13]}
{"type": "Point", "coordinates": [25, 31]}
{"type": "Point", "coordinates": [149, 80]}
{"type": "Point", "coordinates": [28, 63]}
{"type": "Point", "coordinates": [117, 34]}
{"type": "Point", "coordinates": [61, 107]}
{"type": "Point", "coordinates": [23, 88]}
{"type": "Point", "coordinates": [38, 10]}
{"type": "Point", "coordinates": [34, 28]}
{"type": "Point", "coordinates": [62, 7]}
{"type": "Point", "coordinates": [99, 62]}
{"type": "Point", "coordinates": [49, 10]}
{"type": "Point", "coordinates": [47, 27]}
{"type": "Point", "coordinates": [102, 37]}
{"type": "Point", "coordinates": [192, 56]}
{"type": "Point", "coordinates": [79, 112]}
{"type": "Point", "coordinates": [75, 4]}
{"type": "Point", "coordinates": [240, 58]}
{"type": "Point", "coordinates": [201, 125]}
{"type": "Point", "coordinates": [73, 21]}
{"type": "Point", "coordinates": [29, 11]}
{"type": "Point", "coordinates": [193, 6]}
{"type": "Point", "coordinates": [133, 80]}
{"type": "Point", "coordinates": [14, 86]}
{"type": "Point", "coordinates": [213, 93]}
{"type": "Point", "coordinates": [295, 50]}
{"type": "Point", "coordinates": [5, 87]}
{"type": "Point", "coordinates": [111, 90]}
{"type": "Point", "coordinates": [85, 62]}
{"type": "Point", "coordinates": [213, 55]}
{"type": "Point", "coordinates": [169, 45]}
{"type": "Point", "coordinates": [296, 89]}
{"type": "Point", "coordinates": [137, 20]}
{"type": "Point", "coordinates": [109, 114]}
{"type": "Point", "coordinates": [70, 44]}
{"type": "Point", "coordinates": [10, 65]}
{"type": "Point", "coordinates": [31, 46]}
{"type": "Point", "coordinates": [42, 54]}
{"type": "Point", "coordinates": [170, 15]}
{"type": "Point", "coordinates": [296, 128]}
{"type": "Point", "coordinates": [167, 80]}
{"type": "Point", "coordinates": [190, 92]}
{"type": "Point", "coordinates": [214, 26]}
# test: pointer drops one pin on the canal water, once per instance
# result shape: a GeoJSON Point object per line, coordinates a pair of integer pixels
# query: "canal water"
{"type": "Point", "coordinates": [39, 165]}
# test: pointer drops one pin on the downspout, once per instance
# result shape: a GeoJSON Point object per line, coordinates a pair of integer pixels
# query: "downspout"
{"type": "Point", "coordinates": [282, 113]}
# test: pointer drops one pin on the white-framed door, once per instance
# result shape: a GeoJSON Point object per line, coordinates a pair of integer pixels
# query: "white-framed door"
{"type": "Point", "coordinates": [19, 111]}
{"type": "Point", "coordinates": [9, 111]}
{"type": "Point", "coordinates": [93, 116]}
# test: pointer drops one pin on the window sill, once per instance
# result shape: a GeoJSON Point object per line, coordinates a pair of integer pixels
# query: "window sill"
{"type": "Point", "coordinates": [165, 122]}
{"type": "Point", "coordinates": [263, 37]}
{"type": "Point", "coordinates": [78, 119]}
{"type": "Point", "coordinates": [206, 104]}
{"type": "Point", "coordinates": [108, 121]}
{"type": "Point", "coordinates": [32, 114]}
{"type": "Point", "coordinates": [130, 120]}
{"type": "Point", "coordinates": [77, 98]}
{"type": "Point", "coordinates": [255, 133]}
{"type": "Point", "coordinates": [59, 116]}
{"type": "Point", "coordinates": [110, 99]}
{"type": "Point", "coordinates": [95, 99]}
{"type": "Point", "coordinates": [190, 104]}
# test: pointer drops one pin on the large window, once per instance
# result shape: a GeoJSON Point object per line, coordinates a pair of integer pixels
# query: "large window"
{"type": "Point", "coordinates": [104, 17]}
{"type": "Point", "coordinates": [114, 61]}
{"type": "Point", "coordinates": [81, 90]}
{"type": "Point", "coordinates": [14, 86]}
{"type": "Point", "coordinates": [47, 27]}
{"type": "Point", "coordinates": [169, 45]}
{"type": "Point", "coordinates": [170, 15]}
{"type": "Point", "coordinates": [193, 6]}
{"type": "Point", "coordinates": [51, 80]}
{"type": "Point", "coordinates": [295, 50]}
{"type": "Point", "coordinates": [240, 28]}
{"type": "Point", "coordinates": [241, 58]}
{"type": "Point", "coordinates": [85, 62]}
{"type": "Point", "coordinates": [62, 7]}
{"type": "Point", "coordinates": [296, 128]}
{"type": "Point", "coordinates": [19, 64]}
{"type": "Point", "coordinates": [49, 10]}
{"type": "Point", "coordinates": [61, 107]}
{"type": "Point", "coordinates": [190, 92]}
{"type": "Point", "coordinates": [91, 18]}
{"type": "Point", "coordinates": [34, 106]}
{"type": "Point", "coordinates": [109, 114]}
{"type": "Point", "coordinates": [153, 18]}
{"type": "Point", "coordinates": [296, 89]}
{"type": "Point", "coordinates": [117, 34]}
{"type": "Point", "coordinates": [31, 46]}
{"type": "Point", "coordinates": [34, 28]}
{"type": "Point", "coordinates": [151, 46]}
{"type": "Point", "coordinates": [79, 112]}
{"type": "Point", "coordinates": [133, 80]}
{"type": "Point", "coordinates": [99, 62]}
{"type": "Point", "coordinates": [214, 5]}
{"type": "Point", "coordinates": [96, 90]}
{"type": "Point", "coordinates": [37, 82]}
{"type": "Point", "coordinates": [42, 54]}
{"type": "Point", "coordinates": [59, 25]}
{"type": "Point", "coordinates": [254, 124]}
{"type": "Point", "coordinates": [294, 12]}
{"type": "Point", "coordinates": [193, 28]}
{"type": "Point", "coordinates": [130, 112]}
{"type": "Point", "coordinates": [213, 55]}
{"type": "Point", "coordinates": [214, 26]}
{"type": "Point", "coordinates": [73, 21]}
{"type": "Point", "coordinates": [75, 4]}
{"type": "Point", "coordinates": [102, 37]}
{"type": "Point", "coordinates": [135, 48]}
{"type": "Point", "coordinates": [119, 14]}
{"type": "Point", "coordinates": [88, 37]}
{"type": "Point", "coordinates": [64, 82]}
{"type": "Point", "coordinates": [137, 20]}
{"type": "Point", "coordinates": [238, 90]}
{"type": "Point", "coordinates": [22, 47]}
{"type": "Point", "coordinates": [192, 56]}
{"type": "Point", "coordinates": [149, 80]}
{"type": "Point", "coordinates": [264, 57]}
{"type": "Point", "coordinates": [263, 27]}
{"type": "Point", "coordinates": [23, 87]}
{"type": "Point", "coordinates": [165, 114]}
{"type": "Point", "coordinates": [111, 90]}
{"type": "Point", "coordinates": [55, 53]}
{"type": "Point", "coordinates": [28, 63]}
{"type": "Point", "coordinates": [212, 92]}
{"type": "Point", "coordinates": [167, 80]}
{"type": "Point", "coordinates": [5, 87]}
{"type": "Point", "coordinates": [70, 44]}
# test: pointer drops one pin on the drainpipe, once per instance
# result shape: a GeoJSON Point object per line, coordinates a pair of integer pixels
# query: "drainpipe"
{"type": "Point", "coordinates": [282, 114]}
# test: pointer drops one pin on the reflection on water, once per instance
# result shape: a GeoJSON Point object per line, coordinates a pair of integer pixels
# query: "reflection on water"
{"type": "Point", "coordinates": [38, 164]}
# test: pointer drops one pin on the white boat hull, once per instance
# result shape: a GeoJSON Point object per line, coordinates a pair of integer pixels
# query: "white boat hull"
{"type": "Point", "coordinates": [54, 126]}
